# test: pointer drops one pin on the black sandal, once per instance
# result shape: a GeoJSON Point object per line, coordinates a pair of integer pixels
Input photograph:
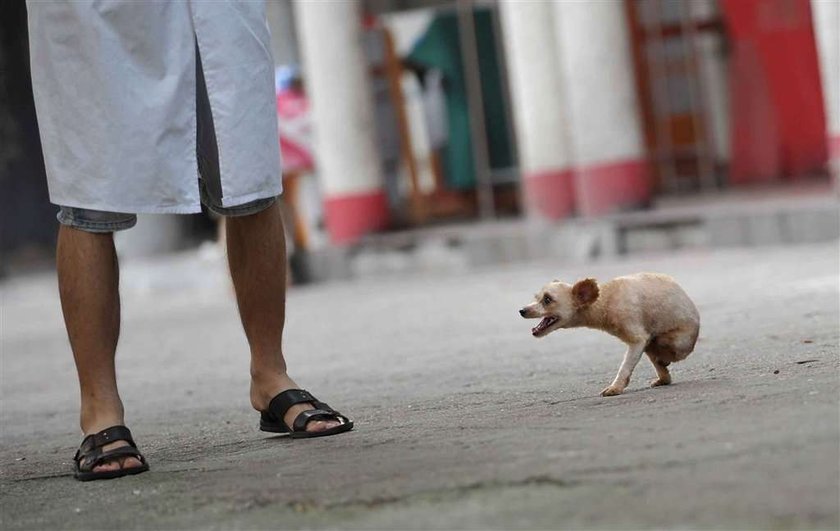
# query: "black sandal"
{"type": "Point", "coordinates": [91, 455]}
{"type": "Point", "coordinates": [272, 421]}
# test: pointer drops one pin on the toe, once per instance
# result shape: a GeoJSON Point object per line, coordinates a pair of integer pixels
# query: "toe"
{"type": "Point", "coordinates": [321, 425]}
{"type": "Point", "coordinates": [124, 463]}
{"type": "Point", "coordinates": [117, 464]}
{"type": "Point", "coordinates": [131, 462]}
{"type": "Point", "coordinates": [107, 467]}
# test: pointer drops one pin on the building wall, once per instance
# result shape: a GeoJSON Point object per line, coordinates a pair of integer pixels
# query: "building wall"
{"type": "Point", "coordinates": [778, 118]}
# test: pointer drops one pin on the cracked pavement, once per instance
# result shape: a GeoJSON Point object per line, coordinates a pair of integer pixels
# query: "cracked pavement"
{"type": "Point", "coordinates": [463, 419]}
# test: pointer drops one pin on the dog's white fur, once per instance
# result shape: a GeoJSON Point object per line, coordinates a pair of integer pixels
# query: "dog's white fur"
{"type": "Point", "coordinates": [650, 312]}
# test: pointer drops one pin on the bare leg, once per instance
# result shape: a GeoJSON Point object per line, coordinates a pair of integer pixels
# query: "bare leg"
{"type": "Point", "coordinates": [88, 281]}
{"type": "Point", "coordinates": [257, 258]}
{"type": "Point", "coordinates": [631, 359]}
{"type": "Point", "coordinates": [662, 373]}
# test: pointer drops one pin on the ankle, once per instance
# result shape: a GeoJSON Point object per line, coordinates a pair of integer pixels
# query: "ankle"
{"type": "Point", "coordinates": [266, 384]}
{"type": "Point", "coordinates": [96, 418]}
{"type": "Point", "coordinates": [268, 373]}
{"type": "Point", "coordinates": [94, 424]}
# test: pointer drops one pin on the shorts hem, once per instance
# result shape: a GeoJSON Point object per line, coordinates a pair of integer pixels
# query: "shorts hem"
{"type": "Point", "coordinates": [233, 202]}
{"type": "Point", "coordinates": [97, 227]}
{"type": "Point", "coordinates": [172, 209]}
{"type": "Point", "coordinates": [245, 209]}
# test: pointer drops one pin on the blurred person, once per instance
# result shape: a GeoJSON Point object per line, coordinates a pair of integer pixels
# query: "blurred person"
{"type": "Point", "coordinates": [160, 107]}
{"type": "Point", "coordinates": [295, 129]}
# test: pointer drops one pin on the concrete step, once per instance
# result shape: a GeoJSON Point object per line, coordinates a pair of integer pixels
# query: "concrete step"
{"type": "Point", "coordinates": [730, 222]}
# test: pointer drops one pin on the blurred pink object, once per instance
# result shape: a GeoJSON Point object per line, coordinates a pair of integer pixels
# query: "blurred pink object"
{"type": "Point", "coordinates": [295, 131]}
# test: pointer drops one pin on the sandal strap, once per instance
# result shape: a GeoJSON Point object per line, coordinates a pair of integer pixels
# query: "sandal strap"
{"type": "Point", "coordinates": [89, 461]}
{"type": "Point", "coordinates": [313, 414]}
{"type": "Point", "coordinates": [107, 436]}
{"type": "Point", "coordinates": [280, 404]}
{"type": "Point", "coordinates": [91, 454]}
{"type": "Point", "coordinates": [323, 405]}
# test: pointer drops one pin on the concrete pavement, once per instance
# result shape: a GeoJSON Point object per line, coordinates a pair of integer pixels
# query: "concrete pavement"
{"type": "Point", "coordinates": [463, 419]}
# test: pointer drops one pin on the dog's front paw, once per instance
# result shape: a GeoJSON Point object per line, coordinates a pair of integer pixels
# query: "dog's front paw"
{"type": "Point", "coordinates": [656, 382]}
{"type": "Point", "coordinates": [612, 391]}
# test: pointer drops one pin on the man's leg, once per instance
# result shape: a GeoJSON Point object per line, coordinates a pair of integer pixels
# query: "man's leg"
{"type": "Point", "coordinates": [257, 256]}
{"type": "Point", "coordinates": [88, 281]}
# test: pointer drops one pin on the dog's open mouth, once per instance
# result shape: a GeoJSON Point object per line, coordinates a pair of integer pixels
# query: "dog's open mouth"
{"type": "Point", "coordinates": [543, 325]}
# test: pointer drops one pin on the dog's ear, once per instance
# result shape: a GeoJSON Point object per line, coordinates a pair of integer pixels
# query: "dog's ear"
{"type": "Point", "coordinates": [585, 292]}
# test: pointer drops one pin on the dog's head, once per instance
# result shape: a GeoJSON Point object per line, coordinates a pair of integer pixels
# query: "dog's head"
{"type": "Point", "coordinates": [558, 305]}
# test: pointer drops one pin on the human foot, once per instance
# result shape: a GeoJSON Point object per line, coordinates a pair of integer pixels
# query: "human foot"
{"type": "Point", "coordinates": [264, 389]}
{"type": "Point", "coordinates": [109, 453]}
{"type": "Point", "coordinates": [99, 421]}
{"type": "Point", "coordinates": [117, 463]}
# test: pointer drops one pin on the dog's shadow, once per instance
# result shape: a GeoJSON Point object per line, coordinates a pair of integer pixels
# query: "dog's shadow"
{"type": "Point", "coordinates": [645, 392]}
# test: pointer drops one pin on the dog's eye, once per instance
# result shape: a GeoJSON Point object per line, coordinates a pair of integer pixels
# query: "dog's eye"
{"type": "Point", "coordinates": [546, 300]}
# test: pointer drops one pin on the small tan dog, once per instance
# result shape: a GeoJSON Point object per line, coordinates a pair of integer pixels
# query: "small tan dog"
{"type": "Point", "coordinates": [648, 311]}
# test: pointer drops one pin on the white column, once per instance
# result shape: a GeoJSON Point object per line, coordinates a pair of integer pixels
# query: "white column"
{"type": "Point", "coordinates": [336, 79]}
{"type": "Point", "coordinates": [826, 14]}
{"type": "Point", "coordinates": [536, 91]}
{"type": "Point", "coordinates": [605, 128]}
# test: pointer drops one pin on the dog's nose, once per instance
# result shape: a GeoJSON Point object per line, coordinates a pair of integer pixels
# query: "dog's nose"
{"type": "Point", "coordinates": [522, 312]}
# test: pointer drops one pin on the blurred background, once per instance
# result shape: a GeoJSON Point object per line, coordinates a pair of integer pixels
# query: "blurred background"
{"type": "Point", "coordinates": [405, 122]}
